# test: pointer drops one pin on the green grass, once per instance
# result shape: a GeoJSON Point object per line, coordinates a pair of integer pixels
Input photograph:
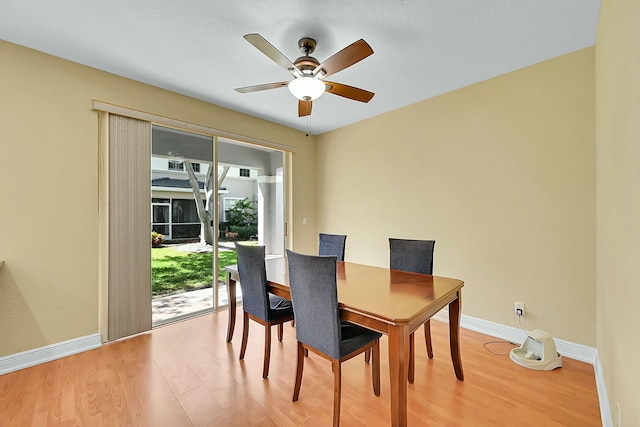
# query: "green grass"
{"type": "Point", "coordinates": [175, 271]}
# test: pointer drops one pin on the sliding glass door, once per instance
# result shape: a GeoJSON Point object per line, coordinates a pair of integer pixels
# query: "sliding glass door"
{"type": "Point", "coordinates": [207, 194]}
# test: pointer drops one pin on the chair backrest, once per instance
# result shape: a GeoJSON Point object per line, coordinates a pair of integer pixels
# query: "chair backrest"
{"type": "Point", "coordinates": [332, 245]}
{"type": "Point", "coordinates": [252, 275]}
{"type": "Point", "coordinates": [415, 256]}
{"type": "Point", "coordinates": [314, 295]}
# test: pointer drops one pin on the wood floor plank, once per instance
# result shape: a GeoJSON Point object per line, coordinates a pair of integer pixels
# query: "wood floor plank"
{"type": "Point", "coordinates": [185, 374]}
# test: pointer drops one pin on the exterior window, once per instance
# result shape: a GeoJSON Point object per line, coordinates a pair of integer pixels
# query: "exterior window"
{"type": "Point", "coordinates": [185, 231]}
{"type": "Point", "coordinates": [184, 211]}
{"type": "Point", "coordinates": [185, 222]}
{"type": "Point", "coordinates": [161, 214]}
{"type": "Point", "coordinates": [162, 229]}
{"type": "Point", "coordinates": [245, 172]}
{"type": "Point", "coordinates": [175, 218]}
{"type": "Point", "coordinates": [175, 165]}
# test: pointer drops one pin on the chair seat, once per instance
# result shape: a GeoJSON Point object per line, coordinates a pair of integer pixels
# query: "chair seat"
{"type": "Point", "coordinates": [279, 307]}
{"type": "Point", "coordinates": [355, 337]}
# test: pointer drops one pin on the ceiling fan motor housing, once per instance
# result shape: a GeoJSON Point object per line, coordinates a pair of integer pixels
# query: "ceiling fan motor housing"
{"type": "Point", "coordinates": [306, 64]}
{"type": "Point", "coordinates": [307, 45]}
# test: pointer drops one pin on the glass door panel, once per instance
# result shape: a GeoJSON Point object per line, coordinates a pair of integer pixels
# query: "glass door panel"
{"type": "Point", "coordinates": [183, 261]}
{"type": "Point", "coordinates": [207, 194]}
{"type": "Point", "coordinates": [250, 202]}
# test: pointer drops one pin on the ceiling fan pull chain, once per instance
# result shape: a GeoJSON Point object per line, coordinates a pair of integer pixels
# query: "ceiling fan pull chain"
{"type": "Point", "coordinates": [308, 130]}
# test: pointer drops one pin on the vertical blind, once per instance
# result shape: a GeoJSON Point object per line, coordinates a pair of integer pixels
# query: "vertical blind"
{"type": "Point", "coordinates": [129, 283]}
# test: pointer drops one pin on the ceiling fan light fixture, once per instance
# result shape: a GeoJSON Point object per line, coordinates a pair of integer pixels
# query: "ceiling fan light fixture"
{"type": "Point", "coordinates": [306, 88]}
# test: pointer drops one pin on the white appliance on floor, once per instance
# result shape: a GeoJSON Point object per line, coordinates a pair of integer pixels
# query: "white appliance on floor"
{"type": "Point", "coordinates": [537, 352]}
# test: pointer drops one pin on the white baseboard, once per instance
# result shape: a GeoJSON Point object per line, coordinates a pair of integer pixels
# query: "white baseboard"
{"type": "Point", "coordinates": [568, 349]}
{"type": "Point", "coordinates": [605, 408]}
{"type": "Point", "coordinates": [25, 359]}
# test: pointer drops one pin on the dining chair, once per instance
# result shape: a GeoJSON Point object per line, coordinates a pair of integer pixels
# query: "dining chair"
{"type": "Point", "coordinates": [258, 304]}
{"type": "Point", "coordinates": [332, 244]}
{"type": "Point", "coordinates": [415, 256]}
{"type": "Point", "coordinates": [314, 294]}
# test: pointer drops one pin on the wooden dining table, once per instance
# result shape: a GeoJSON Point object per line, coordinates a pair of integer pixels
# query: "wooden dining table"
{"type": "Point", "coordinates": [392, 302]}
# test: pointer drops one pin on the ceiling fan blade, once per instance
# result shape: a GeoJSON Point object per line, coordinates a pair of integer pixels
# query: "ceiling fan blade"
{"type": "Point", "coordinates": [350, 92]}
{"type": "Point", "coordinates": [304, 108]}
{"type": "Point", "coordinates": [348, 56]}
{"type": "Point", "coordinates": [266, 86]}
{"type": "Point", "coordinates": [274, 54]}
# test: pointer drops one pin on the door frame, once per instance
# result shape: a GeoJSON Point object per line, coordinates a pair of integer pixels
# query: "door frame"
{"type": "Point", "coordinates": [104, 109]}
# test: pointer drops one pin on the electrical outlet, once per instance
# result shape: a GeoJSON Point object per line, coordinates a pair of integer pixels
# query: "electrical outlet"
{"type": "Point", "coordinates": [519, 308]}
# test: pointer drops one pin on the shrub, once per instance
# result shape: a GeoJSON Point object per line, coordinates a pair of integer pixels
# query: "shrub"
{"type": "Point", "coordinates": [243, 232]}
{"type": "Point", "coordinates": [157, 239]}
{"type": "Point", "coordinates": [243, 213]}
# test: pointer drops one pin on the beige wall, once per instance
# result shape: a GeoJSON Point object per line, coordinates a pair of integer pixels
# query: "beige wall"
{"type": "Point", "coordinates": [49, 219]}
{"type": "Point", "coordinates": [501, 174]}
{"type": "Point", "coordinates": [618, 206]}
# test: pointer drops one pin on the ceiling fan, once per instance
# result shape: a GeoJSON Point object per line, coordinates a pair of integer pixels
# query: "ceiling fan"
{"type": "Point", "coordinates": [308, 83]}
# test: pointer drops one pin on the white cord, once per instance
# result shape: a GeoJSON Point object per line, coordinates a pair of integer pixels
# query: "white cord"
{"type": "Point", "coordinates": [485, 345]}
{"type": "Point", "coordinates": [520, 324]}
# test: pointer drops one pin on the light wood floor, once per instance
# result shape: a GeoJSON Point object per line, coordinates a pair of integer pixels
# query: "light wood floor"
{"type": "Point", "coordinates": [185, 374]}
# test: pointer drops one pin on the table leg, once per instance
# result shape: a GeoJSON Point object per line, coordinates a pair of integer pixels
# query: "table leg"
{"type": "Point", "coordinates": [454, 336]}
{"type": "Point", "coordinates": [231, 291]}
{"type": "Point", "coordinates": [398, 371]}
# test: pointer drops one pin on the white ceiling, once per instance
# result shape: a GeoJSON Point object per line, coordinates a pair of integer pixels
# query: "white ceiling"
{"type": "Point", "coordinates": [423, 48]}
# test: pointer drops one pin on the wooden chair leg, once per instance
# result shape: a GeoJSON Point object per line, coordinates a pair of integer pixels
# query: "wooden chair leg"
{"type": "Point", "coordinates": [367, 356]}
{"type": "Point", "coordinates": [299, 368]}
{"type": "Point", "coordinates": [267, 350]}
{"type": "Point", "coordinates": [427, 338]}
{"type": "Point", "coordinates": [245, 335]}
{"type": "Point", "coordinates": [337, 381]}
{"type": "Point", "coordinates": [375, 368]}
{"type": "Point", "coordinates": [412, 358]}
{"type": "Point", "coordinates": [280, 331]}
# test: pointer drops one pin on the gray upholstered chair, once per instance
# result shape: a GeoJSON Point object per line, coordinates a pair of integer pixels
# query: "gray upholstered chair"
{"type": "Point", "coordinates": [258, 304]}
{"type": "Point", "coordinates": [415, 256]}
{"type": "Point", "coordinates": [314, 294]}
{"type": "Point", "coordinates": [333, 245]}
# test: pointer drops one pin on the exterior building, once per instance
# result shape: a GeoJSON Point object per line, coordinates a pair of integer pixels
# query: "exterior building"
{"type": "Point", "coordinates": [244, 171]}
{"type": "Point", "coordinates": [174, 212]}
